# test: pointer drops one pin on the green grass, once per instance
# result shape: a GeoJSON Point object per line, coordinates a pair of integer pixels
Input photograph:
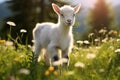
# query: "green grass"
{"type": "Point", "coordinates": [103, 65]}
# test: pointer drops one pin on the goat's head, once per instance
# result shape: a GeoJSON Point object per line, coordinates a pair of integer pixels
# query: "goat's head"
{"type": "Point", "coordinates": [66, 13]}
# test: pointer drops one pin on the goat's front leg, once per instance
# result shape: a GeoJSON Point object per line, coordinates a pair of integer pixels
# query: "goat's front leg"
{"type": "Point", "coordinates": [65, 54]}
{"type": "Point", "coordinates": [53, 52]}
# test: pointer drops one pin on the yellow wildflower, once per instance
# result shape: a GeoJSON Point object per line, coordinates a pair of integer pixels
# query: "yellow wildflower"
{"type": "Point", "coordinates": [55, 72]}
{"type": "Point", "coordinates": [51, 68]}
{"type": "Point", "coordinates": [47, 72]}
{"type": "Point", "coordinates": [115, 32]}
{"type": "Point", "coordinates": [2, 41]}
{"type": "Point", "coordinates": [16, 59]}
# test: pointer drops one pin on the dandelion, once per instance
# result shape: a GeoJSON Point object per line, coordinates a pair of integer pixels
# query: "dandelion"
{"type": "Point", "coordinates": [11, 23]}
{"type": "Point", "coordinates": [2, 41]}
{"type": "Point", "coordinates": [55, 72]}
{"type": "Point", "coordinates": [117, 51]}
{"type": "Point", "coordinates": [23, 31]}
{"type": "Point", "coordinates": [16, 59]}
{"type": "Point", "coordinates": [90, 56]}
{"type": "Point", "coordinates": [47, 72]}
{"type": "Point", "coordinates": [51, 68]}
{"type": "Point", "coordinates": [60, 62]}
{"type": "Point", "coordinates": [24, 71]}
{"type": "Point", "coordinates": [79, 64]}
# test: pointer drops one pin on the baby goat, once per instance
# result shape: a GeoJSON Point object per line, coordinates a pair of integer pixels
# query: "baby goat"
{"type": "Point", "coordinates": [52, 37]}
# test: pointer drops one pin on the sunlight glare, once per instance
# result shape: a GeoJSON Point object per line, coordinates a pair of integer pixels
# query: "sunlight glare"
{"type": "Point", "coordinates": [85, 3]}
{"type": "Point", "coordinates": [90, 3]}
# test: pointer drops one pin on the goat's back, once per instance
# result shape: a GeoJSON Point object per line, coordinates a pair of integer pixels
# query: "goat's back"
{"type": "Point", "coordinates": [41, 33]}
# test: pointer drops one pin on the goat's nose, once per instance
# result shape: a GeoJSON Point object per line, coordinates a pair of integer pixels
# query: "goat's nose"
{"type": "Point", "coordinates": [69, 21]}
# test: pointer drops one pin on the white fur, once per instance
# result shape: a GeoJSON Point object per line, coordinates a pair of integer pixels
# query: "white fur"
{"type": "Point", "coordinates": [52, 37]}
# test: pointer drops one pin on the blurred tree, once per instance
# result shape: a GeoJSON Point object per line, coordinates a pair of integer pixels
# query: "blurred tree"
{"type": "Point", "coordinates": [100, 17]}
{"type": "Point", "coordinates": [26, 13]}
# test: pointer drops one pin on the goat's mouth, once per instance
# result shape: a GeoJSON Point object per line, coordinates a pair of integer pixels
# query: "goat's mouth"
{"type": "Point", "coordinates": [68, 23]}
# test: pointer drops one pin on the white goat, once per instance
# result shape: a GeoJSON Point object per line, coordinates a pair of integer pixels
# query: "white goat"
{"type": "Point", "coordinates": [52, 37]}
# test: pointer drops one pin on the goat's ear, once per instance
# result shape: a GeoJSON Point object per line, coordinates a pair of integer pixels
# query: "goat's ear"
{"type": "Point", "coordinates": [77, 8]}
{"type": "Point", "coordinates": [56, 8]}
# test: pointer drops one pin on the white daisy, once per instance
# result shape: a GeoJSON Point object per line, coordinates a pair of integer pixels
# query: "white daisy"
{"type": "Point", "coordinates": [11, 23]}
{"type": "Point", "coordinates": [9, 43]}
{"type": "Point", "coordinates": [23, 31]}
{"type": "Point", "coordinates": [86, 42]}
{"type": "Point", "coordinates": [79, 64]}
{"type": "Point", "coordinates": [24, 71]}
{"type": "Point", "coordinates": [80, 42]}
{"type": "Point", "coordinates": [90, 56]}
{"type": "Point", "coordinates": [117, 50]}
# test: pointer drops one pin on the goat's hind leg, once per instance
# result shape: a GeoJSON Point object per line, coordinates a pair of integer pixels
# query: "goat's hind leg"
{"type": "Point", "coordinates": [37, 51]}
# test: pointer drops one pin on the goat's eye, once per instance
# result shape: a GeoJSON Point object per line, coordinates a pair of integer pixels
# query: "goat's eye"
{"type": "Point", "coordinates": [62, 15]}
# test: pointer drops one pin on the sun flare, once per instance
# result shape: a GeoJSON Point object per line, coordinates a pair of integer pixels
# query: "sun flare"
{"type": "Point", "coordinates": [89, 3]}
{"type": "Point", "coordinates": [85, 3]}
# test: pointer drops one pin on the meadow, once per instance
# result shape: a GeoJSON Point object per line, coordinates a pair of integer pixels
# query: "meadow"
{"type": "Point", "coordinates": [95, 60]}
